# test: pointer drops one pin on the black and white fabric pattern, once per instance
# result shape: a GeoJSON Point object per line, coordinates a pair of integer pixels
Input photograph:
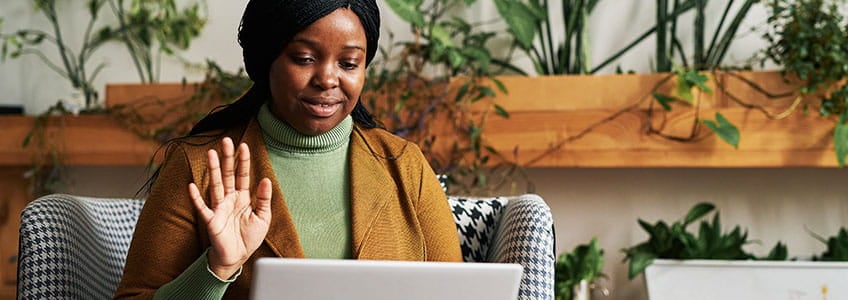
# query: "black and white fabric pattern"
{"type": "Point", "coordinates": [74, 247]}
{"type": "Point", "coordinates": [521, 232]}
{"type": "Point", "coordinates": [476, 220]}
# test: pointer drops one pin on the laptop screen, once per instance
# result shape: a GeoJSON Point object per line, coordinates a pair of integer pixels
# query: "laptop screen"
{"type": "Point", "coordinates": [288, 278]}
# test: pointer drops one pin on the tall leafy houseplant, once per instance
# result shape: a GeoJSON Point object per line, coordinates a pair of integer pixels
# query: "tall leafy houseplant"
{"type": "Point", "coordinates": [150, 28]}
{"type": "Point", "coordinates": [809, 39]}
{"type": "Point", "coordinates": [530, 23]}
{"type": "Point", "coordinates": [531, 26]}
{"type": "Point", "coordinates": [436, 85]}
{"type": "Point", "coordinates": [73, 64]}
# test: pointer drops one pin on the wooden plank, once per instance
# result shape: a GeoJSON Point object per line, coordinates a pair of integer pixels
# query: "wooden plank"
{"type": "Point", "coordinates": [798, 141]}
{"type": "Point", "coordinates": [581, 92]}
{"type": "Point", "coordinates": [14, 198]}
{"type": "Point", "coordinates": [94, 140]}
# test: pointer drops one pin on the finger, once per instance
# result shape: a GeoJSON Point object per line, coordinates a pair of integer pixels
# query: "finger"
{"type": "Point", "coordinates": [197, 199]}
{"type": "Point", "coordinates": [243, 175]}
{"type": "Point", "coordinates": [227, 165]}
{"type": "Point", "coordinates": [215, 184]}
{"type": "Point", "coordinates": [262, 208]}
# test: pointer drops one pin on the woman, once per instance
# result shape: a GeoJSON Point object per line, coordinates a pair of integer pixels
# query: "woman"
{"type": "Point", "coordinates": [312, 175]}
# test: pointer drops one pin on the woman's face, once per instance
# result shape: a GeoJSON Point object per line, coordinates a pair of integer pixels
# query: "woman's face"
{"type": "Point", "coordinates": [317, 79]}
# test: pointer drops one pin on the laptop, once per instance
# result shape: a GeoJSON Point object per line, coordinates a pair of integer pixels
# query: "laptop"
{"type": "Point", "coordinates": [306, 279]}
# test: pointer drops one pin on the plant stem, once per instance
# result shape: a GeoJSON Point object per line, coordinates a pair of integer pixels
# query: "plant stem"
{"type": "Point", "coordinates": [662, 31]}
{"type": "Point", "coordinates": [699, 59]}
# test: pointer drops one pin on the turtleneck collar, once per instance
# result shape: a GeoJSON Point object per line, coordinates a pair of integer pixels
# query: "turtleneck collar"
{"type": "Point", "coordinates": [281, 136]}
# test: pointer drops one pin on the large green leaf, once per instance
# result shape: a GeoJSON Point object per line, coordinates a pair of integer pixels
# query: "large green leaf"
{"type": "Point", "coordinates": [441, 35]}
{"type": "Point", "coordinates": [521, 19]}
{"type": "Point", "coordinates": [840, 138]}
{"type": "Point", "coordinates": [408, 10]}
{"type": "Point", "coordinates": [724, 129]}
{"type": "Point", "coordinates": [638, 262]}
{"type": "Point", "coordinates": [697, 211]}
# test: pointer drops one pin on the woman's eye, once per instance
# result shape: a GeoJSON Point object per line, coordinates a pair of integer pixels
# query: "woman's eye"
{"type": "Point", "coordinates": [348, 65]}
{"type": "Point", "coordinates": [303, 60]}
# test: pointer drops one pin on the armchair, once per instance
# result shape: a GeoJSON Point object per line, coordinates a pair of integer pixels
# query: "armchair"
{"type": "Point", "coordinates": [75, 247]}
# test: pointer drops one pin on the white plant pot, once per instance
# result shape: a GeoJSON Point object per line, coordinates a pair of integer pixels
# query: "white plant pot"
{"type": "Point", "coordinates": [748, 280]}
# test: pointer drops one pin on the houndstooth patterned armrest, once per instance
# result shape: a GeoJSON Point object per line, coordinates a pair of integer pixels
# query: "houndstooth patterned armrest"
{"type": "Point", "coordinates": [516, 229]}
{"type": "Point", "coordinates": [74, 247]}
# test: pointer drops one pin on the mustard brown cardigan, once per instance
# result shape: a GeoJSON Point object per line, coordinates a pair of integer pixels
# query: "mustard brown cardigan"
{"type": "Point", "coordinates": [398, 210]}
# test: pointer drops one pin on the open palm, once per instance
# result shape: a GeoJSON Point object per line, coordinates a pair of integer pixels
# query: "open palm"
{"type": "Point", "coordinates": [236, 228]}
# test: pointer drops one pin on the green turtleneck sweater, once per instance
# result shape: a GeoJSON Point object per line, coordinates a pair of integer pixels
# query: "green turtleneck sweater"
{"type": "Point", "coordinates": [313, 174]}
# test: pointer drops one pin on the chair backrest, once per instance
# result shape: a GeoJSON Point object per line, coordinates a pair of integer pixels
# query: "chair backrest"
{"type": "Point", "coordinates": [74, 247]}
{"type": "Point", "coordinates": [514, 229]}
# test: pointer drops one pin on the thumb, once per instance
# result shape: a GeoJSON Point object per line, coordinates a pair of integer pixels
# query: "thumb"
{"type": "Point", "coordinates": [262, 208]}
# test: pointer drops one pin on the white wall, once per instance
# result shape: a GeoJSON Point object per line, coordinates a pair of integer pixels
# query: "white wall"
{"type": "Point", "coordinates": [774, 204]}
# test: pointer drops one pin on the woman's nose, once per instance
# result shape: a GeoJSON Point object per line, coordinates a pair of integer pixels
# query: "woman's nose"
{"type": "Point", "coordinates": [326, 76]}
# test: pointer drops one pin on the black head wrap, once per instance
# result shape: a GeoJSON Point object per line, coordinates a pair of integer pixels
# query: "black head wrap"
{"type": "Point", "coordinates": [266, 27]}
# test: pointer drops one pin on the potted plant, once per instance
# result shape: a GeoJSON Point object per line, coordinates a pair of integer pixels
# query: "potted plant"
{"type": "Point", "coordinates": [712, 264]}
{"type": "Point", "coordinates": [808, 38]}
{"type": "Point", "coordinates": [576, 272]}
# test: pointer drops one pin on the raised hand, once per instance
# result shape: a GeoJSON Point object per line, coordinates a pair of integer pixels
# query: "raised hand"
{"type": "Point", "coordinates": [236, 228]}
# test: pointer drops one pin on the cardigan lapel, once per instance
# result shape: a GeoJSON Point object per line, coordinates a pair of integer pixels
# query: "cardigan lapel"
{"type": "Point", "coordinates": [370, 191]}
{"type": "Point", "coordinates": [282, 236]}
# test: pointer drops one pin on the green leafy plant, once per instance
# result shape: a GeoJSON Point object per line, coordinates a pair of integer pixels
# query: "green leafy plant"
{"type": "Point", "coordinates": [837, 247]}
{"type": "Point", "coordinates": [530, 25]}
{"type": "Point", "coordinates": [584, 263]}
{"type": "Point", "coordinates": [705, 55]}
{"type": "Point", "coordinates": [438, 84]}
{"type": "Point", "coordinates": [809, 39]}
{"type": "Point", "coordinates": [150, 28]}
{"type": "Point", "coordinates": [73, 64]}
{"type": "Point", "coordinates": [164, 119]}
{"type": "Point", "coordinates": [676, 242]}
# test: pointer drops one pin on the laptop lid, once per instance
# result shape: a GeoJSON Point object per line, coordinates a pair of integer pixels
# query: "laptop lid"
{"type": "Point", "coordinates": [288, 278]}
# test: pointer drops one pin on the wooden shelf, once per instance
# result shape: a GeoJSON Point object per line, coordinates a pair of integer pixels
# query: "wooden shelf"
{"type": "Point", "coordinates": [550, 111]}
{"type": "Point", "coordinates": [545, 111]}
{"type": "Point", "coordinates": [94, 140]}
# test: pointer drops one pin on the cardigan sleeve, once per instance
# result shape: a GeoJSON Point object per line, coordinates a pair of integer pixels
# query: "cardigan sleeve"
{"type": "Point", "coordinates": [441, 239]}
{"type": "Point", "coordinates": [196, 282]}
{"type": "Point", "coordinates": [166, 240]}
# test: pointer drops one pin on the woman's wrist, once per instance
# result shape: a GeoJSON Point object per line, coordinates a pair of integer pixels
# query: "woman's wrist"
{"type": "Point", "coordinates": [223, 272]}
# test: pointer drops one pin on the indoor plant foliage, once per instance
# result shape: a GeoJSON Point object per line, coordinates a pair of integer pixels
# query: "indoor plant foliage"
{"type": "Point", "coordinates": [437, 85]}
{"type": "Point", "coordinates": [148, 28]}
{"type": "Point", "coordinates": [152, 28]}
{"type": "Point", "coordinates": [73, 64]}
{"type": "Point", "coordinates": [837, 247]}
{"type": "Point", "coordinates": [676, 242]}
{"type": "Point", "coordinates": [583, 264]}
{"type": "Point", "coordinates": [164, 119]}
{"type": "Point", "coordinates": [809, 39]}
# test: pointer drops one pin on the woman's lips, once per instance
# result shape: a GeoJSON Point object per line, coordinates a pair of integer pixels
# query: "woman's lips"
{"type": "Point", "coordinates": [322, 109]}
